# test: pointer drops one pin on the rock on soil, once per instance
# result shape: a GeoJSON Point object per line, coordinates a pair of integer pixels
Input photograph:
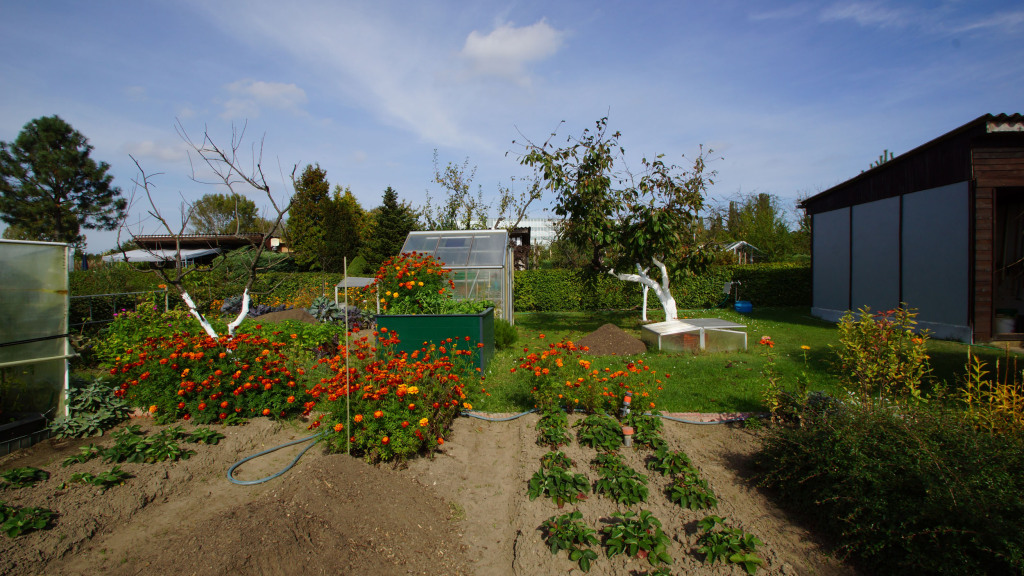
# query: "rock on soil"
{"type": "Point", "coordinates": [610, 340]}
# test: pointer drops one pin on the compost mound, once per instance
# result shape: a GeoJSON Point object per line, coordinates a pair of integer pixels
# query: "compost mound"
{"type": "Point", "coordinates": [610, 340]}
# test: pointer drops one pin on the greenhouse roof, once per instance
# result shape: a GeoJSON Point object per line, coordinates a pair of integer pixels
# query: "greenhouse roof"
{"type": "Point", "coordinates": [461, 248]}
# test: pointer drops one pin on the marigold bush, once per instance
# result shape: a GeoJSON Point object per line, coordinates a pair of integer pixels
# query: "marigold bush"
{"type": "Point", "coordinates": [561, 377]}
{"type": "Point", "coordinates": [412, 283]}
{"type": "Point", "coordinates": [396, 405]}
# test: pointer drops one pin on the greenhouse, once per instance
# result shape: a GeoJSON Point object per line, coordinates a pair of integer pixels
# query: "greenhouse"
{"type": "Point", "coordinates": [34, 346]}
{"type": "Point", "coordinates": [480, 261]}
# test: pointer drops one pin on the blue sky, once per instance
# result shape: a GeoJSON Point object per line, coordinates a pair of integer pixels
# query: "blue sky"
{"type": "Point", "coordinates": [793, 97]}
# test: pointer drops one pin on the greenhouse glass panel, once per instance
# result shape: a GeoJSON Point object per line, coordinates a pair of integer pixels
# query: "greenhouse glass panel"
{"type": "Point", "coordinates": [488, 250]}
{"type": "Point", "coordinates": [454, 251]}
{"type": "Point", "coordinates": [33, 336]}
{"type": "Point", "coordinates": [421, 243]}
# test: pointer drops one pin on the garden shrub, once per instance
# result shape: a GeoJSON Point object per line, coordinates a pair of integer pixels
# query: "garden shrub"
{"type": "Point", "coordinates": [505, 334]}
{"type": "Point", "coordinates": [908, 490]}
{"type": "Point", "coordinates": [880, 354]}
{"type": "Point", "coordinates": [92, 408]}
{"type": "Point", "coordinates": [993, 404]}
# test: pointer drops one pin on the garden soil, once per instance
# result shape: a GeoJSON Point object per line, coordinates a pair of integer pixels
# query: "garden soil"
{"type": "Point", "coordinates": [464, 511]}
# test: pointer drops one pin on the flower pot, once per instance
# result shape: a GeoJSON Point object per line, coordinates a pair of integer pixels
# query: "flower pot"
{"type": "Point", "coordinates": [416, 329]}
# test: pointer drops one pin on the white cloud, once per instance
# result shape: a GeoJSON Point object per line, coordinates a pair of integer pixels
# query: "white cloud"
{"type": "Point", "coordinates": [1006, 20]}
{"type": "Point", "coordinates": [506, 50]}
{"type": "Point", "coordinates": [251, 96]}
{"type": "Point", "coordinates": [863, 13]}
{"type": "Point", "coordinates": [135, 93]}
{"type": "Point", "coordinates": [149, 149]}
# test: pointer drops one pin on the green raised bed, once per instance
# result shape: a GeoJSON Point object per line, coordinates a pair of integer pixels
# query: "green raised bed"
{"type": "Point", "coordinates": [415, 329]}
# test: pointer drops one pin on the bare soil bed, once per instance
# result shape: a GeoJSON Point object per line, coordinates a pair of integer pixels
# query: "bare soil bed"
{"type": "Point", "coordinates": [465, 511]}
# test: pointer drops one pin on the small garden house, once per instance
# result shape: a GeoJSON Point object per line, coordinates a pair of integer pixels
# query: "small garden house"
{"type": "Point", "coordinates": [480, 261]}
{"type": "Point", "coordinates": [940, 228]}
{"type": "Point", "coordinates": [34, 346]}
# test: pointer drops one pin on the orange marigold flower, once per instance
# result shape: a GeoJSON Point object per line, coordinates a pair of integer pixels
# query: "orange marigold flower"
{"type": "Point", "coordinates": [153, 409]}
{"type": "Point", "coordinates": [440, 440]}
{"type": "Point", "coordinates": [358, 418]}
{"type": "Point", "coordinates": [424, 422]}
{"type": "Point", "coordinates": [339, 427]}
{"type": "Point", "coordinates": [378, 414]}
{"type": "Point", "coordinates": [385, 440]}
{"type": "Point", "coordinates": [290, 399]}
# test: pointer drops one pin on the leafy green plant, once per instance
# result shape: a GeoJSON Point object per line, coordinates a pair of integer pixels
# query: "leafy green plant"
{"type": "Point", "coordinates": [637, 534]}
{"type": "Point", "coordinates": [556, 460]}
{"type": "Point", "coordinates": [719, 542]}
{"type": "Point", "coordinates": [881, 355]}
{"type": "Point", "coordinates": [599, 431]}
{"type": "Point", "coordinates": [646, 428]}
{"type": "Point", "coordinates": [553, 429]}
{"type": "Point", "coordinates": [618, 481]}
{"type": "Point", "coordinates": [22, 477]}
{"type": "Point", "coordinates": [505, 334]}
{"type": "Point", "coordinates": [85, 453]}
{"type": "Point", "coordinates": [558, 484]}
{"type": "Point", "coordinates": [669, 462]}
{"type": "Point", "coordinates": [93, 408]}
{"type": "Point", "coordinates": [691, 491]}
{"type": "Point", "coordinates": [325, 309]}
{"type": "Point", "coordinates": [906, 489]}
{"type": "Point", "coordinates": [569, 532]}
{"type": "Point", "coordinates": [15, 521]}
{"type": "Point", "coordinates": [113, 477]}
{"type": "Point", "coordinates": [204, 436]}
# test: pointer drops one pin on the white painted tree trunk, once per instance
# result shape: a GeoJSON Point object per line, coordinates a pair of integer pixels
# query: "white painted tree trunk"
{"type": "Point", "coordinates": [661, 289]}
{"type": "Point", "coordinates": [643, 315]}
{"type": "Point", "coordinates": [195, 312]}
{"type": "Point", "coordinates": [241, 315]}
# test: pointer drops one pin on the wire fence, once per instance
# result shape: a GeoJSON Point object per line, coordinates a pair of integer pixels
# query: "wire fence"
{"type": "Point", "coordinates": [91, 309]}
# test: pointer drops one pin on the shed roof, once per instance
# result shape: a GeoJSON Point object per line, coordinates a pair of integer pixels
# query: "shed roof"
{"type": "Point", "coordinates": [939, 162]}
{"type": "Point", "coordinates": [157, 255]}
{"type": "Point", "coordinates": [461, 248]}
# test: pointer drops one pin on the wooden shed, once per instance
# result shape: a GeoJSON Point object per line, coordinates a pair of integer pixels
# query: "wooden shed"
{"type": "Point", "coordinates": [940, 227]}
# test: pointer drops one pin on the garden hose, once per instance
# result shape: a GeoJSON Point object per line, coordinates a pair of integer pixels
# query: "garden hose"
{"type": "Point", "coordinates": [684, 421]}
{"type": "Point", "coordinates": [231, 470]}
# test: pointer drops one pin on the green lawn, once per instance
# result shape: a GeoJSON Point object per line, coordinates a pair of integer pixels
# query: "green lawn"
{"type": "Point", "coordinates": [705, 382]}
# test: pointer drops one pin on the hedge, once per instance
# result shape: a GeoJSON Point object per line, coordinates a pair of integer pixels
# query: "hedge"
{"type": "Point", "coordinates": [783, 284]}
{"type": "Point", "coordinates": [535, 290]}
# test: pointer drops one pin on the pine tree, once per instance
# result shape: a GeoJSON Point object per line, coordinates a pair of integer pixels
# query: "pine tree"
{"type": "Point", "coordinates": [310, 217]}
{"type": "Point", "coordinates": [50, 188]}
{"type": "Point", "coordinates": [391, 223]}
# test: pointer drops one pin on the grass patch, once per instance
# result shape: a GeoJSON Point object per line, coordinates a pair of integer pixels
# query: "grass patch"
{"type": "Point", "coordinates": [704, 382]}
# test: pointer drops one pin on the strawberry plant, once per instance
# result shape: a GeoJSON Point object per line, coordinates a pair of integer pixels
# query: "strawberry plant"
{"type": "Point", "coordinates": [560, 485]}
{"type": "Point", "coordinates": [719, 542]}
{"type": "Point", "coordinates": [570, 532]}
{"type": "Point", "coordinates": [114, 476]}
{"type": "Point", "coordinates": [204, 436]}
{"type": "Point", "coordinates": [691, 491]}
{"type": "Point", "coordinates": [22, 477]}
{"type": "Point", "coordinates": [555, 460]}
{"type": "Point", "coordinates": [637, 535]}
{"type": "Point", "coordinates": [669, 462]}
{"type": "Point", "coordinates": [618, 481]}
{"type": "Point", "coordinates": [85, 453]}
{"type": "Point", "coordinates": [16, 521]}
{"type": "Point", "coordinates": [553, 429]}
{"type": "Point", "coordinates": [647, 429]}
{"type": "Point", "coordinates": [600, 431]}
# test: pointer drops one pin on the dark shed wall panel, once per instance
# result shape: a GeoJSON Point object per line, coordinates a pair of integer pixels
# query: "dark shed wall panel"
{"type": "Point", "coordinates": [876, 264]}
{"type": "Point", "coordinates": [831, 254]}
{"type": "Point", "coordinates": [936, 258]}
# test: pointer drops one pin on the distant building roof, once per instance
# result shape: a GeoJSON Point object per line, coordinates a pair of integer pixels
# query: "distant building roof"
{"type": "Point", "coordinates": [191, 241]}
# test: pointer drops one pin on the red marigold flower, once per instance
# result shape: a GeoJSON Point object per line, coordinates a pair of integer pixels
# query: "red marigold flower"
{"type": "Point", "coordinates": [202, 406]}
{"type": "Point", "coordinates": [440, 440]}
{"type": "Point", "coordinates": [405, 424]}
{"type": "Point", "coordinates": [290, 399]}
{"type": "Point", "coordinates": [266, 411]}
{"type": "Point", "coordinates": [385, 440]}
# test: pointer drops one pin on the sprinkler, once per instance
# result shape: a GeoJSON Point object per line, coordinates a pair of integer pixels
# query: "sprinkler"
{"type": "Point", "coordinates": [625, 406]}
{"type": "Point", "coordinates": [627, 434]}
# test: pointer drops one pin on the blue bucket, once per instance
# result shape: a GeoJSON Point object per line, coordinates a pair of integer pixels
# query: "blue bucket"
{"type": "Point", "coordinates": [743, 306]}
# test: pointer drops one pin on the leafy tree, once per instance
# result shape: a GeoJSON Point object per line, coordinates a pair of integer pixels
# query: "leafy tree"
{"type": "Point", "coordinates": [224, 214]}
{"type": "Point", "coordinates": [625, 220]}
{"type": "Point", "coordinates": [760, 220]}
{"type": "Point", "coordinates": [50, 188]}
{"type": "Point", "coordinates": [460, 209]}
{"type": "Point", "coordinates": [387, 228]}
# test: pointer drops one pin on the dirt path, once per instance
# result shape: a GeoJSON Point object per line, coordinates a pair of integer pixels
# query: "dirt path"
{"type": "Point", "coordinates": [463, 512]}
